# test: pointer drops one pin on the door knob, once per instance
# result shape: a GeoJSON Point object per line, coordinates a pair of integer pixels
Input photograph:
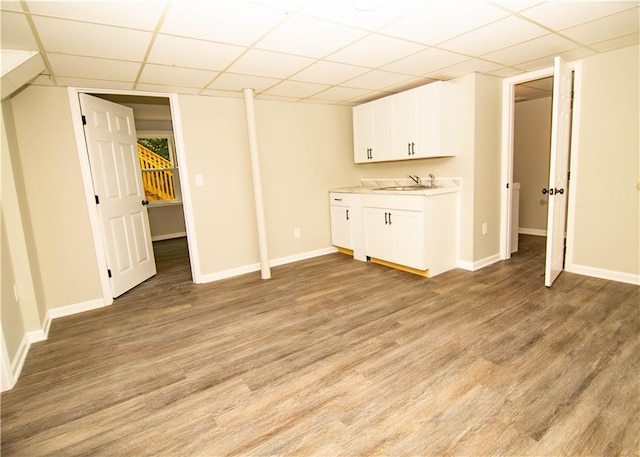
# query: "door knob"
{"type": "Point", "coordinates": [544, 191]}
{"type": "Point", "coordinates": [145, 202]}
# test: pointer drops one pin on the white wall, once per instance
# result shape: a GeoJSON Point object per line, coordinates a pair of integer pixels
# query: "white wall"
{"type": "Point", "coordinates": [607, 202]}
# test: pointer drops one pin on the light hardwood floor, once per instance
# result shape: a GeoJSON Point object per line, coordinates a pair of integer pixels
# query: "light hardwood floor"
{"type": "Point", "coordinates": [334, 357]}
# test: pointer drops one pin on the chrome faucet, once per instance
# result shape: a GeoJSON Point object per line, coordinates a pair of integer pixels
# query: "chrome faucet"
{"type": "Point", "coordinates": [432, 180]}
{"type": "Point", "coordinates": [416, 179]}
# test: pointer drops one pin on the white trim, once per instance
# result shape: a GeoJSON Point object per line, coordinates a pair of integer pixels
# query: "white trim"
{"type": "Point", "coordinates": [169, 236]}
{"type": "Point", "coordinates": [62, 311]}
{"type": "Point", "coordinates": [272, 263]}
{"type": "Point", "coordinates": [532, 231]}
{"type": "Point", "coordinates": [611, 275]}
{"type": "Point", "coordinates": [473, 266]}
{"type": "Point", "coordinates": [507, 152]}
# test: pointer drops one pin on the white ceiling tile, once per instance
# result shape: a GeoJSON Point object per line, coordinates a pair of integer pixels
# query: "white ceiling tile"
{"type": "Point", "coordinates": [284, 5]}
{"type": "Point", "coordinates": [440, 21]}
{"type": "Point", "coordinates": [171, 89]}
{"type": "Point", "coordinates": [607, 28]}
{"type": "Point", "coordinates": [330, 73]}
{"type": "Point", "coordinates": [11, 5]}
{"type": "Point", "coordinates": [170, 50]}
{"type": "Point", "coordinates": [140, 14]}
{"type": "Point", "coordinates": [309, 37]}
{"type": "Point", "coordinates": [222, 93]}
{"type": "Point", "coordinates": [561, 15]}
{"type": "Point", "coordinates": [577, 53]}
{"type": "Point", "coordinates": [94, 83]}
{"type": "Point", "coordinates": [296, 89]}
{"type": "Point", "coordinates": [516, 5]}
{"type": "Point", "coordinates": [344, 12]}
{"type": "Point", "coordinates": [531, 65]}
{"type": "Point", "coordinates": [93, 68]}
{"type": "Point", "coordinates": [377, 80]}
{"type": "Point", "coordinates": [237, 82]}
{"type": "Point", "coordinates": [167, 75]}
{"type": "Point", "coordinates": [374, 51]}
{"type": "Point", "coordinates": [425, 61]}
{"type": "Point", "coordinates": [547, 45]}
{"type": "Point", "coordinates": [369, 97]}
{"type": "Point", "coordinates": [220, 20]}
{"type": "Point", "coordinates": [616, 43]}
{"type": "Point", "coordinates": [408, 84]}
{"type": "Point", "coordinates": [81, 38]}
{"type": "Point", "coordinates": [15, 32]}
{"type": "Point", "coordinates": [505, 72]}
{"type": "Point", "coordinates": [269, 64]}
{"type": "Point", "coordinates": [464, 68]}
{"type": "Point", "coordinates": [497, 35]}
{"type": "Point", "coordinates": [340, 93]}
{"type": "Point", "coordinates": [277, 98]}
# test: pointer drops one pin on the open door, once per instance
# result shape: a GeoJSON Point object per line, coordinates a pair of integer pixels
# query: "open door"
{"type": "Point", "coordinates": [558, 170]}
{"type": "Point", "coordinates": [115, 169]}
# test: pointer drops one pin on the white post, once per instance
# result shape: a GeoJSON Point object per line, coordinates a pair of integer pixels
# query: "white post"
{"type": "Point", "coordinates": [257, 185]}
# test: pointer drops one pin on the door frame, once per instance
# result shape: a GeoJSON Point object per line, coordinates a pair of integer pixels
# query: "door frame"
{"type": "Point", "coordinates": [508, 113]}
{"type": "Point", "coordinates": [85, 169]}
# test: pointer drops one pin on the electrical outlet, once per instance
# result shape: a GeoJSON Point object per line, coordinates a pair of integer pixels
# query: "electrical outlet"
{"type": "Point", "coordinates": [296, 233]}
{"type": "Point", "coordinates": [485, 228]}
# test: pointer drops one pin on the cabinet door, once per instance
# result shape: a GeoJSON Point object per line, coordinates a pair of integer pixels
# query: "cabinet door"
{"type": "Point", "coordinates": [408, 238]}
{"type": "Point", "coordinates": [378, 238]}
{"type": "Point", "coordinates": [404, 107]}
{"type": "Point", "coordinates": [372, 131]}
{"type": "Point", "coordinates": [341, 227]}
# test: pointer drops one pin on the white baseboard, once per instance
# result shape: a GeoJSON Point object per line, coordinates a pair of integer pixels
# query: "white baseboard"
{"type": "Point", "coordinates": [531, 231]}
{"type": "Point", "coordinates": [619, 276]}
{"type": "Point", "coordinates": [69, 310]}
{"type": "Point", "coordinates": [256, 266]}
{"type": "Point", "coordinates": [473, 266]}
{"type": "Point", "coordinates": [169, 236]}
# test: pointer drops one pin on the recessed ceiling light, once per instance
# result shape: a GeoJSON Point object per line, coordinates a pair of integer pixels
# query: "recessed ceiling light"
{"type": "Point", "coordinates": [367, 5]}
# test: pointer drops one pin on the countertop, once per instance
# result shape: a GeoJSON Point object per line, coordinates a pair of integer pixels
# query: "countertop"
{"type": "Point", "coordinates": [373, 186]}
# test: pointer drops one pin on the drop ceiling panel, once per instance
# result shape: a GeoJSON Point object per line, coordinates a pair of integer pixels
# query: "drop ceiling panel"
{"type": "Point", "coordinates": [16, 33]}
{"type": "Point", "coordinates": [141, 14]}
{"type": "Point", "coordinates": [501, 34]}
{"type": "Point", "coordinates": [224, 22]}
{"type": "Point", "coordinates": [426, 61]}
{"type": "Point", "coordinates": [296, 89]}
{"type": "Point", "coordinates": [616, 43]}
{"type": "Point", "coordinates": [269, 64]}
{"type": "Point", "coordinates": [607, 28]}
{"type": "Point", "coordinates": [93, 68]}
{"type": "Point", "coordinates": [463, 68]}
{"type": "Point", "coordinates": [161, 74]}
{"type": "Point", "coordinates": [234, 81]}
{"type": "Point", "coordinates": [561, 15]}
{"type": "Point", "coordinates": [331, 73]}
{"type": "Point", "coordinates": [170, 50]}
{"type": "Point", "coordinates": [83, 39]}
{"type": "Point", "coordinates": [375, 51]}
{"type": "Point", "coordinates": [446, 20]}
{"type": "Point", "coordinates": [94, 83]}
{"type": "Point", "coordinates": [377, 80]}
{"type": "Point", "coordinates": [547, 45]}
{"type": "Point", "coordinates": [341, 94]}
{"type": "Point", "coordinates": [309, 37]}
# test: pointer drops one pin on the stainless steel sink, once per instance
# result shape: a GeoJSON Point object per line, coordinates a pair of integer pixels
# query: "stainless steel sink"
{"type": "Point", "coordinates": [406, 188]}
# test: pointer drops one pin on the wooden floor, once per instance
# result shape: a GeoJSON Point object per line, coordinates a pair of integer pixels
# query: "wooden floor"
{"type": "Point", "coordinates": [335, 357]}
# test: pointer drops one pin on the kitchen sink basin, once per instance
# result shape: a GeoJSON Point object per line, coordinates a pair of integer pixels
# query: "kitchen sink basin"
{"type": "Point", "coordinates": [406, 188]}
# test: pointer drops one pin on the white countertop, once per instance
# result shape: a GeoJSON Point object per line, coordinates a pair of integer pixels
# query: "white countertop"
{"type": "Point", "coordinates": [373, 186]}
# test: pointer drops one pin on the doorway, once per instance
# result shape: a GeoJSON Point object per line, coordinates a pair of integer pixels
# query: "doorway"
{"type": "Point", "coordinates": [554, 190]}
{"type": "Point", "coordinates": [148, 125]}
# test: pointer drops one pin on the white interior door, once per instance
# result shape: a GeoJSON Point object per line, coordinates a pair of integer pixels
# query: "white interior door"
{"type": "Point", "coordinates": [117, 181]}
{"type": "Point", "coordinates": [558, 170]}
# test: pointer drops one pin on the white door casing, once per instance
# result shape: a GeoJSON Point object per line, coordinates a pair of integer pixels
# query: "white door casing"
{"type": "Point", "coordinates": [558, 170]}
{"type": "Point", "coordinates": [117, 180]}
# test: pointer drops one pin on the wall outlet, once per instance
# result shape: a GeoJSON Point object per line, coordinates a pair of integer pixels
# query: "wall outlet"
{"type": "Point", "coordinates": [296, 233]}
{"type": "Point", "coordinates": [485, 228]}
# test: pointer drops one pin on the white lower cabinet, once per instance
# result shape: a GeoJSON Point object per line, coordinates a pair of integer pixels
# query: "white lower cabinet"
{"type": "Point", "coordinates": [341, 220]}
{"type": "Point", "coordinates": [394, 229]}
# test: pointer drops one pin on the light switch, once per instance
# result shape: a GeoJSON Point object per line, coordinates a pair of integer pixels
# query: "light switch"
{"type": "Point", "coordinates": [199, 180]}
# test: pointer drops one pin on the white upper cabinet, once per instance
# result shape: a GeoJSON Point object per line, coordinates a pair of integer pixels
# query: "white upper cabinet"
{"type": "Point", "coordinates": [421, 124]}
{"type": "Point", "coordinates": [372, 131]}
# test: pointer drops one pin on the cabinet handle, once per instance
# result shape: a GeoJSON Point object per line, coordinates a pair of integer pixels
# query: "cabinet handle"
{"type": "Point", "coordinates": [347, 214]}
{"type": "Point", "coordinates": [385, 218]}
{"type": "Point", "coordinates": [408, 148]}
{"type": "Point", "coordinates": [389, 218]}
{"type": "Point", "coordinates": [413, 150]}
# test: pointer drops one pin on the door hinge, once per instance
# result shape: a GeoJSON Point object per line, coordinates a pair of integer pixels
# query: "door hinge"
{"type": "Point", "coordinates": [569, 175]}
{"type": "Point", "coordinates": [109, 272]}
{"type": "Point", "coordinates": [97, 200]}
{"type": "Point", "coordinates": [84, 120]}
{"type": "Point", "coordinates": [507, 185]}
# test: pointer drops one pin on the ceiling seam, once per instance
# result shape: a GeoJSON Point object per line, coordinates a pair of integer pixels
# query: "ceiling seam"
{"type": "Point", "coordinates": [156, 30]}
{"type": "Point", "coordinates": [36, 37]}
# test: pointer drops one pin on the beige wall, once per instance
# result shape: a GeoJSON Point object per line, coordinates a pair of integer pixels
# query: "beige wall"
{"type": "Point", "coordinates": [166, 220]}
{"type": "Point", "coordinates": [531, 149]}
{"type": "Point", "coordinates": [477, 163]}
{"type": "Point", "coordinates": [607, 208]}
{"type": "Point", "coordinates": [55, 197]}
